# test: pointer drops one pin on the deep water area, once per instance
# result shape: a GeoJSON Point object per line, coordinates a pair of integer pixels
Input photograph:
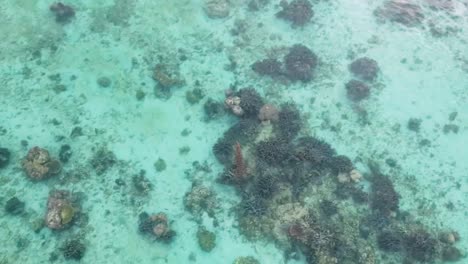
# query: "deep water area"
{"type": "Point", "coordinates": [234, 131]}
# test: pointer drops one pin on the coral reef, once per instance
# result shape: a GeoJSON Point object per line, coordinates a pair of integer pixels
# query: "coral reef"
{"type": "Point", "coordinates": [194, 96]}
{"type": "Point", "coordinates": [246, 260]}
{"type": "Point", "coordinates": [270, 67]}
{"type": "Point", "coordinates": [289, 122]}
{"type": "Point", "coordinates": [357, 90]}
{"type": "Point", "coordinates": [157, 226]}
{"type": "Point", "coordinates": [405, 12]}
{"type": "Point", "coordinates": [250, 101]}
{"type": "Point", "coordinates": [200, 199]}
{"type": "Point", "coordinates": [65, 153]}
{"type": "Point", "coordinates": [39, 165]}
{"type": "Point", "coordinates": [60, 210]}
{"type": "Point", "coordinates": [63, 13]}
{"type": "Point", "coordinates": [213, 109]}
{"type": "Point", "coordinates": [73, 249]}
{"type": "Point", "coordinates": [216, 8]}
{"type": "Point", "coordinates": [300, 63]}
{"type": "Point", "coordinates": [4, 157]}
{"type": "Point", "coordinates": [273, 151]}
{"type": "Point", "coordinates": [420, 245]}
{"type": "Point", "coordinates": [298, 12]}
{"type": "Point", "coordinates": [233, 103]}
{"type": "Point", "coordinates": [141, 184]}
{"type": "Point", "coordinates": [206, 239]}
{"type": "Point", "coordinates": [102, 160]}
{"type": "Point", "coordinates": [364, 68]}
{"type": "Point", "coordinates": [268, 113]}
{"type": "Point", "coordinates": [14, 206]}
{"type": "Point", "coordinates": [384, 197]}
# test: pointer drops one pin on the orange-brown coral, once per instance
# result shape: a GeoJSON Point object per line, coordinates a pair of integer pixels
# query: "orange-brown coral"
{"type": "Point", "coordinates": [38, 164]}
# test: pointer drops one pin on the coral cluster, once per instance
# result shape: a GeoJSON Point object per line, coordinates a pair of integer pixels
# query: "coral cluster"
{"type": "Point", "coordinates": [39, 165]}
{"type": "Point", "coordinates": [364, 68]}
{"type": "Point", "coordinates": [200, 199]}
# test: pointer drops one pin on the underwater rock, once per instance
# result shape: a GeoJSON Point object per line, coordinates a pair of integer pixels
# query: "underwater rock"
{"type": "Point", "coordinates": [300, 63]}
{"type": "Point", "coordinates": [38, 165]}
{"type": "Point", "coordinates": [357, 90]}
{"type": "Point", "coordinates": [298, 12]}
{"type": "Point", "coordinates": [404, 12]}
{"type": "Point", "coordinates": [216, 8]}
{"type": "Point", "coordinates": [4, 157]}
{"type": "Point", "coordinates": [60, 210]}
{"type": "Point", "coordinates": [73, 249]}
{"type": "Point", "coordinates": [268, 112]}
{"type": "Point", "coordinates": [156, 225]}
{"type": "Point", "coordinates": [14, 206]}
{"type": "Point", "coordinates": [63, 13]}
{"type": "Point", "coordinates": [364, 68]}
{"type": "Point", "coordinates": [206, 239]}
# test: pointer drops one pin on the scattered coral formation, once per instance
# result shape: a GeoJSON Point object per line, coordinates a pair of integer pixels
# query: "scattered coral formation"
{"type": "Point", "coordinates": [405, 12]}
{"type": "Point", "coordinates": [364, 68]}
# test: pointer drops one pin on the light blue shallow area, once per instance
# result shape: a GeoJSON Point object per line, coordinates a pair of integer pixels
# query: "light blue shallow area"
{"type": "Point", "coordinates": [422, 75]}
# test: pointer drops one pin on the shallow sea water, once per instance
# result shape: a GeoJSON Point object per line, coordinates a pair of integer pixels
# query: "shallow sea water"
{"type": "Point", "coordinates": [95, 83]}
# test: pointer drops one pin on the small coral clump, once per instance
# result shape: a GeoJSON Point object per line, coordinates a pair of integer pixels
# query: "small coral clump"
{"type": "Point", "coordinates": [39, 165]}
{"type": "Point", "coordinates": [246, 260]}
{"type": "Point", "coordinates": [14, 206]}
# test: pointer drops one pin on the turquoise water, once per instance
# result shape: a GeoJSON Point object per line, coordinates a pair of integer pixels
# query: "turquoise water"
{"type": "Point", "coordinates": [123, 86]}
